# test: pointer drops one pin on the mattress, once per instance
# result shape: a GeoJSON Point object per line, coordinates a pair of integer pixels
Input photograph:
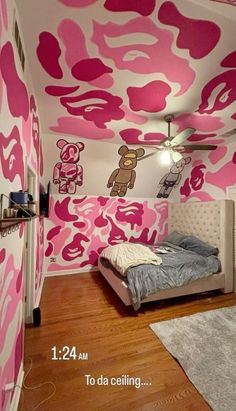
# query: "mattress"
{"type": "Point", "coordinates": [179, 267]}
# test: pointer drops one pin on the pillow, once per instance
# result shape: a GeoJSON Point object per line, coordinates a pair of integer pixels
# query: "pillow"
{"type": "Point", "coordinates": [174, 237]}
{"type": "Point", "coordinates": [192, 243]}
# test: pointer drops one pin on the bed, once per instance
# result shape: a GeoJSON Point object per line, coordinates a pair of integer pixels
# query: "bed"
{"type": "Point", "coordinates": [211, 222]}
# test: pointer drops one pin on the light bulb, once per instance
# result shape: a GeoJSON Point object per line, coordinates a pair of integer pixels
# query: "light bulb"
{"type": "Point", "coordinates": [165, 157]}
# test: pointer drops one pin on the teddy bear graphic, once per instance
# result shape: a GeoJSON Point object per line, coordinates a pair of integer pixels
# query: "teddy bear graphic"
{"type": "Point", "coordinates": [172, 179]}
{"type": "Point", "coordinates": [124, 177]}
{"type": "Point", "coordinates": [68, 173]}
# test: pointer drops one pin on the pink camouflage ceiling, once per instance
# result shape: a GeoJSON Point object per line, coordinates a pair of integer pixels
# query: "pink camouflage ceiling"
{"type": "Point", "coordinates": [111, 69]}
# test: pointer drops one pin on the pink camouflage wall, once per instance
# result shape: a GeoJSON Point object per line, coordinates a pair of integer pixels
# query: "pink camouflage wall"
{"type": "Point", "coordinates": [80, 227]}
{"type": "Point", "coordinates": [210, 177]}
{"type": "Point", "coordinates": [19, 139]}
{"type": "Point", "coordinates": [86, 217]}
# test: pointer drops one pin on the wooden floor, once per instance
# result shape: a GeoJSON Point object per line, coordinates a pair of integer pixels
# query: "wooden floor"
{"type": "Point", "coordinates": [83, 311]}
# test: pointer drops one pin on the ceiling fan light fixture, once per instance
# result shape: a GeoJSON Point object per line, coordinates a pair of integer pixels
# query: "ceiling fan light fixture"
{"type": "Point", "coordinates": [165, 157]}
{"type": "Point", "coordinates": [176, 156]}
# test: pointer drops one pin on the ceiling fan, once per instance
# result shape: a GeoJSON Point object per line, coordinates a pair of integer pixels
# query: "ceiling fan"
{"type": "Point", "coordinates": [173, 147]}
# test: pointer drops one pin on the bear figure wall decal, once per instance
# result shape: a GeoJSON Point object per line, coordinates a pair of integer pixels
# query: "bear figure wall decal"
{"type": "Point", "coordinates": [124, 177]}
{"type": "Point", "coordinates": [172, 179]}
{"type": "Point", "coordinates": [68, 173]}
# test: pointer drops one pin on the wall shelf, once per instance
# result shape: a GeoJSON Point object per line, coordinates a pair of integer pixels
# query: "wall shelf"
{"type": "Point", "coordinates": [9, 225]}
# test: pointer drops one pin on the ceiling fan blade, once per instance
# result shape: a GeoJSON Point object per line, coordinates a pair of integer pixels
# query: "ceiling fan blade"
{"type": "Point", "coordinates": [154, 153]}
{"type": "Point", "coordinates": [151, 146]}
{"type": "Point", "coordinates": [182, 137]}
{"type": "Point", "coordinates": [228, 133]}
{"type": "Point", "coordinates": [199, 147]}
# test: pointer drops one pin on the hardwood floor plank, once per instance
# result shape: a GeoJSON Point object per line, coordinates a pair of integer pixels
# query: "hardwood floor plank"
{"type": "Point", "coordinates": [83, 311]}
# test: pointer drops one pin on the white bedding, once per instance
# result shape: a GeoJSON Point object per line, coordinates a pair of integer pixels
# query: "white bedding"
{"type": "Point", "coordinates": [125, 255]}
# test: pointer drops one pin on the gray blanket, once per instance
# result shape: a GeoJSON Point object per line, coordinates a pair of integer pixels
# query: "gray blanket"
{"type": "Point", "coordinates": [178, 268]}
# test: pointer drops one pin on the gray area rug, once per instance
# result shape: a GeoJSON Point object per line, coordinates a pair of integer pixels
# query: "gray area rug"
{"type": "Point", "coordinates": [205, 346]}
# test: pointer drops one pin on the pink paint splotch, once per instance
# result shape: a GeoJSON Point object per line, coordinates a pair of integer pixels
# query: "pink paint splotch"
{"type": "Point", "coordinates": [77, 3]}
{"type": "Point", "coordinates": [197, 177]}
{"type": "Point", "coordinates": [53, 232]}
{"type": "Point", "coordinates": [225, 176]}
{"type": "Point", "coordinates": [161, 209]}
{"type": "Point", "coordinates": [48, 52]}
{"type": "Point", "coordinates": [130, 214]}
{"type": "Point", "coordinates": [229, 2]}
{"type": "Point", "coordinates": [96, 245]}
{"type": "Point", "coordinates": [76, 50]}
{"type": "Point", "coordinates": [234, 158]}
{"type": "Point", "coordinates": [62, 210]}
{"type": "Point", "coordinates": [17, 96]}
{"type": "Point", "coordinates": [35, 130]}
{"type": "Point", "coordinates": [200, 137]}
{"type": "Point", "coordinates": [4, 13]}
{"type": "Point", "coordinates": [26, 133]}
{"type": "Point", "coordinates": [116, 234]}
{"type": "Point", "coordinates": [147, 236]}
{"type": "Point", "coordinates": [41, 163]}
{"type": "Point", "coordinates": [196, 35]}
{"type": "Point", "coordinates": [217, 155]}
{"type": "Point", "coordinates": [77, 55]}
{"type": "Point", "coordinates": [150, 98]}
{"type": "Point", "coordinates": [153, 138]}
{"type": "Point", "coordinates": [218, 93]}
{"type": "Point", "coordinates": [145, 8]}
{"type": "Point", "coordinates": [195, 181]}
{"type": "Point", "coordinates": [60, 90]}
{"type": "Point", "coordinates": [144, 58]}
{"type": "Point", "coordinates": [1, 85]}
{"type": "Point", "coordinates": [229, 60]}
{"type": "Point", "coordinates": [75, 248]}
{"type": "Point", "coordinates": [2, 255]}
{"type": "Point", "coordinates": [54, 219]}
{"type": "Point", "coordinates": [201, 122]}
{"type": "Point", "coordinates": [89, 69]}
{"type": "Point", "coordinates": [87, 129]}
{"type": "Point", "coordinates": [11, 156]}
{"type": "Point", "coordinates": [10, 321]}
{"type": "Point", "coordinates": [199, 195]}
{"type": "Point", "coordinates": [87, 209]}
{"type": "Point", "coordinates": [131, 136]}
{"type": "Point", "coordinates": [132, 117]}
{"type": "Point", "coordinates": [106, 109]}
{"type": "Point", "coordinates": [57, 242]}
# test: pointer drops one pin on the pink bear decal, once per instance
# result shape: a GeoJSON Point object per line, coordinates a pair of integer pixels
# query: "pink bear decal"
{"type": "Point", "coordinates": [68, 173]}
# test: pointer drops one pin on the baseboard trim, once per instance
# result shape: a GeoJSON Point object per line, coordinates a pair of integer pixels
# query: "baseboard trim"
{"type": "Point", "coordinates": [17, 391]}
{"type": "Point", "coordinates": [37, 302]}
{"type": "Point", "coordinates": [69, 272]}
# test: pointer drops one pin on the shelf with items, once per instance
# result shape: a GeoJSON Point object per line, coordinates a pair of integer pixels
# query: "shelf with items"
{"type": "Point", "coordinates": [11, 224]}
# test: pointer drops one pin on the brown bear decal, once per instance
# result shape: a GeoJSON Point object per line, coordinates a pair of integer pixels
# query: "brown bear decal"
{"type": "Point", "coordinates": [124, 176]}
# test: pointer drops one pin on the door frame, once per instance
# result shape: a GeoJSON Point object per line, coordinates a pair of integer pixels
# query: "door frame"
{"type": "Point", "coordinates": [231, 195]}
{"type": "Point", "coordinates": [30, 258]}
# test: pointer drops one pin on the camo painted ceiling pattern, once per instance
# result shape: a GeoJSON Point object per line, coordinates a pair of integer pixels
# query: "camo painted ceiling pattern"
{"type": "Point", "coordinates": [111, 70]}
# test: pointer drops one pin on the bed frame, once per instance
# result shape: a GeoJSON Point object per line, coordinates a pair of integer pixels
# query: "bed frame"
{"type": "Point", "coordinates": [211, 221]}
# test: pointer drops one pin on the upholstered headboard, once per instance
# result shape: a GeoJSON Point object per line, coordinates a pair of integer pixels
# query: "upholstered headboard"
{"type": "Point", "coordinates": [211, 221]}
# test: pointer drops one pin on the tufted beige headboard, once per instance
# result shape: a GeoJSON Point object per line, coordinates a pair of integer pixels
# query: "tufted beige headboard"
{"type": "Point", "coordinates": [211, 221]}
